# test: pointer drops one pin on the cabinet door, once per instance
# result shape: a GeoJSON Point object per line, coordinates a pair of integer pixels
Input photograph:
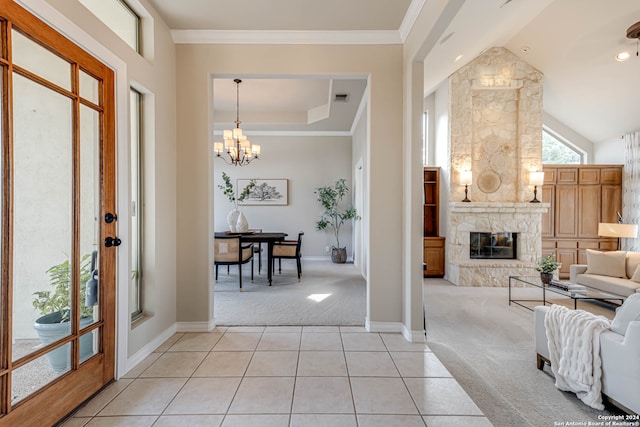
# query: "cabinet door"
{"type": "Point", "coordinates": [566, 211]}
{"type": "Point", "coordinates": [433, 256]}
{"type": "Point", "coordinates": [567, 176]}
{"type": "Point", "coordinates": [589, 202]}
{"type": "Point", "coordinates": [589, 176]}
{"type": "Point", "coordinates": [611, 175]}
{"type": "Point", "coordinates": [566, 257]}
{"type": "Point", "coordinates": [611, 202]}
{"type": "Point", "coordinates": [548, 196]}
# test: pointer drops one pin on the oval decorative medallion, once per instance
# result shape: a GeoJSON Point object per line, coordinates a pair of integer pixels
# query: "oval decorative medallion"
{"type": "Point", "coordinates": [489, 181]}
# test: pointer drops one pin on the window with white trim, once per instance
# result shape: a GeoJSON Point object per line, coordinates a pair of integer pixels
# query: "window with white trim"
{"type": "Point", "coordinates": [119, 17]}
{"type": "Point", "coordinates": [556, 150]}
{"type": "Point", "coordinates": [136, 212]}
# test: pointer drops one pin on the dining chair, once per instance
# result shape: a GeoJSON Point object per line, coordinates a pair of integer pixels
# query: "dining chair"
{"type": "Point", "coordinates": [230, 251]}
{"type": "Point", "coordinates": [288, 249]}
{"type": "Point", "coordinates": [257, 250]}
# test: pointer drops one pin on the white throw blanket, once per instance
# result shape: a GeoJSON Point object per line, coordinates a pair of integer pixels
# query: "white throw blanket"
{"type": "Point", "coordinates": [574, 352]}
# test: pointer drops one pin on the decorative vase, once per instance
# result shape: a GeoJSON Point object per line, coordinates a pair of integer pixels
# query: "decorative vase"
{"type": "Point", "coordinates": [242, 226]}
{"type": "Point", "coordinates": [338, 255]}
{"type": "Point", "coordinates": [232, 220]}
{"type": "Point", "coordinates": [546, 278]}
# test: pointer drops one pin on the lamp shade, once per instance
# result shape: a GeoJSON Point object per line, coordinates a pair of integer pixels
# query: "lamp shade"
{"type": "Point", "coordinates": [606, 229]}
{"type": "Point", "coordinates": [465, 178]}
{"type": "Point", "coordinates": [536, 178]}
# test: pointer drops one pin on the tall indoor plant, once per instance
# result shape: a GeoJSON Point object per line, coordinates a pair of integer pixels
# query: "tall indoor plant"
{"type": "Point", "coordinates": [333, 216]}
{"type": "Point", "coordinates": [55, 309]}
{"type": "Point", "coordinates": [236, 219]}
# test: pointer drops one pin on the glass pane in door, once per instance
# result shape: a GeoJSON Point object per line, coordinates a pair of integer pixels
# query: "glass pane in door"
{"type": "Point", "coordinates": [89, 215]}
{"type": "Point", "coordinates": [42, 228]}
{"type": "Point", "coordinates": [36, 374]}
{"type": "Point", "coordinates": [35, 58]}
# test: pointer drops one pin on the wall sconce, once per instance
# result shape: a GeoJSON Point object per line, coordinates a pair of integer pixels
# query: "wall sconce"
{"type": "Point", "coordinates": [466, 180]}
{"type": "Point", "coordinates": [536, 179]}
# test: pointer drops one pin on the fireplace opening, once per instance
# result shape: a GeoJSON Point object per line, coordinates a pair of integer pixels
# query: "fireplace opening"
{"type": "Point", "coordinates": [499, 245]}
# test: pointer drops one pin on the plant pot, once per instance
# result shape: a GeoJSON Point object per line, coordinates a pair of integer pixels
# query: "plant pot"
{"type": "Point", "coordinates": [50, 329]}
{"type": "Point", "coordinates": [338, 255]}
{"type": "Point", "coordinates": [546, 278]}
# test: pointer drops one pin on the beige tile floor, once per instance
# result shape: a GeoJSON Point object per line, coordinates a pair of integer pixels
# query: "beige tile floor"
{"type": "Point", "coordinates": [285, 376]}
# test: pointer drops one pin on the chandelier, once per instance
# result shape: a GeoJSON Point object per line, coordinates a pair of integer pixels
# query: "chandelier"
{"type": "Point", "coordinates": [238, 149]}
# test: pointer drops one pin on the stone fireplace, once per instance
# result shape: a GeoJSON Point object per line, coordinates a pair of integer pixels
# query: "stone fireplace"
{"type": "Point", "coordinates": [496, 133]}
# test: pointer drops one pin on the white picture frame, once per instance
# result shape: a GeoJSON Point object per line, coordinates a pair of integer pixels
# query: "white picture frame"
{"type": "Point", "coordinates": [267, 192]}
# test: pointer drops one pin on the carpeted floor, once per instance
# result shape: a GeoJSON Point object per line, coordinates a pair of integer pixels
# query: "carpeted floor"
{"type": "Point", "coordinates": [488, 346]}
{"type": "Point", "coordinates": [328, 294]}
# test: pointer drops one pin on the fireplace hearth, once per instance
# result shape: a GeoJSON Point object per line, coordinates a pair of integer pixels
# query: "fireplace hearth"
{"type": "Point", "coordinates": [496, 245]}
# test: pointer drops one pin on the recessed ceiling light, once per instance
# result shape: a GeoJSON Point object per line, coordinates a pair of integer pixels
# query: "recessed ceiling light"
{"type": "Point", "coordinates": [525, 49]}
{"type": "Point", "coordinates": [458, 58]}
{"type": "Point", "coordinates": [622, 56]}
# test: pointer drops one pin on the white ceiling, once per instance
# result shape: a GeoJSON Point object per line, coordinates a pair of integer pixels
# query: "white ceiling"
{"type": "Point", "coordinates": [573, 42]}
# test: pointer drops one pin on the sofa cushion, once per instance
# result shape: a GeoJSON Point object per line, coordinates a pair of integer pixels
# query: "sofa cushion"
{"type": "Point", "coordinates": [636, 275]}
{"type": "Point", "coordinates": [626, 313]}
{"type": "Point", "coordinates": [606, 263]}
{"type": "Point", "coordinates": [612, 285]}
{"type": "Point", "coordinates": [632, 263]}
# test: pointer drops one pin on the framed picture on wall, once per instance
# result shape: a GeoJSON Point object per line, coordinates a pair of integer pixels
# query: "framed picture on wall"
{"type": "Point", "coordinates": [267, 192]}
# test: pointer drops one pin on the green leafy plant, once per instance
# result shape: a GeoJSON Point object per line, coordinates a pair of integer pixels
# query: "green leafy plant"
{"type": "Point", "coordinates": [230, 192]}
{"type": "Point", "coordinates": [548, 264]}
{"type": "Point", "coordinates": [59, 299]}
{"type": "Point", "coordinates": [330, 198]}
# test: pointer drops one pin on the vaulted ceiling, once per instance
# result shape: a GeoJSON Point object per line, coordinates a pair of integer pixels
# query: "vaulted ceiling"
{"type": "Point", "coordinates": [573, 42]}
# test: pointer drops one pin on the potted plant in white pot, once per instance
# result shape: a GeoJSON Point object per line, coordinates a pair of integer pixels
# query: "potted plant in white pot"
{"type": "Point", "coordinates": [55, 308]}
{"type": "Point", "coordinates": [333, 216]}
{"type": "Point", "coordinates": [546, 267]}
{"type": "Point", "coordinates": [236, 219]}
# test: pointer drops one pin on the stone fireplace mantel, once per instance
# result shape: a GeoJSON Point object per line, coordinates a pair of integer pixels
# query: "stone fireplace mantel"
{"type": "Point", "coordinates": [500, 208]}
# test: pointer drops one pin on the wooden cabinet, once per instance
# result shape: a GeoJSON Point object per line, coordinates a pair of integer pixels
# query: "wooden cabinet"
{"type": "Point", "coordinates": [433, 254]}
{"type": "Point", "coordinates": [580, 197]}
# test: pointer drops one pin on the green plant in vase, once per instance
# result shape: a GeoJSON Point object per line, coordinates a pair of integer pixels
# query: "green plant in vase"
{"type": "Point", "coordinates": [547, 266]}
{"type": "Point", "coordinates": [55, 307]}
{"type": "Point", "coordinates": [236, 219]}
{"type": "Point", "coordinates": [333, 216]}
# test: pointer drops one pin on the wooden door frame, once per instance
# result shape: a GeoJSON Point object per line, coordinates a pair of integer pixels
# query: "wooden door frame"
{"type": "Point", "coordinates": [54, 396]}
{"type": "Point", "coordinates": [46, 12]}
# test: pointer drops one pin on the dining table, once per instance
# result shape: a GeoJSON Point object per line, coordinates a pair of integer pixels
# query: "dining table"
{"type": "Point", "coordinates": [258, 237]}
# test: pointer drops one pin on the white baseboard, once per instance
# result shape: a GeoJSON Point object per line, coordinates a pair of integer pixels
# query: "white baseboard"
{"type": "Point", "coordinates": [196, 326]}
{"type": "Point", "coordinates": [394, 327]}
{"type": "Point", "coordinates": [145, 351]}
{"type": "Point", "coordinates": [413, 336]}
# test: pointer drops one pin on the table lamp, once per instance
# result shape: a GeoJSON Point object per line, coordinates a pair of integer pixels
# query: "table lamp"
{"type": "Point", "coordinates": [466, 180]}
{"type": "Point", "coordinates": [536, 179]}
{"type": "Point", "coordinates": [616, 229]}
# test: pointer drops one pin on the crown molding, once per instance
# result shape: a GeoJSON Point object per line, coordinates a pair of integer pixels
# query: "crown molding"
{"type": "Point", "coordinates": [290, 133]}
{"type": "Point", "coordinates": [410, 18]}
{"type": "Point", "coordinates": [287, 37]}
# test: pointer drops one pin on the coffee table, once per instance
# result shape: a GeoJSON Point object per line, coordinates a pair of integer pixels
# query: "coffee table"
{"type": "Point", "coordinates": [588, 294]}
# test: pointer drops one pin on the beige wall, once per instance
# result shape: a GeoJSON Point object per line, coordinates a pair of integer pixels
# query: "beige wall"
{"type": "Point", "coordinates": [196, 65]}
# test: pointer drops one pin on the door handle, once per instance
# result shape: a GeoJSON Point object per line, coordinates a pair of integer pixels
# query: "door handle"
{"type": "Point", "coordinates": [112, 241]}
{"type": "Point", "coordinates": [110, 217]}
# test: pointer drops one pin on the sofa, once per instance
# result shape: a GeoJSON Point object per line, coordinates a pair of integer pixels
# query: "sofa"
{"type": "Point", "coordinates": [619, 351]}
{"type": "Point", "coordinates": [615, 272]}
